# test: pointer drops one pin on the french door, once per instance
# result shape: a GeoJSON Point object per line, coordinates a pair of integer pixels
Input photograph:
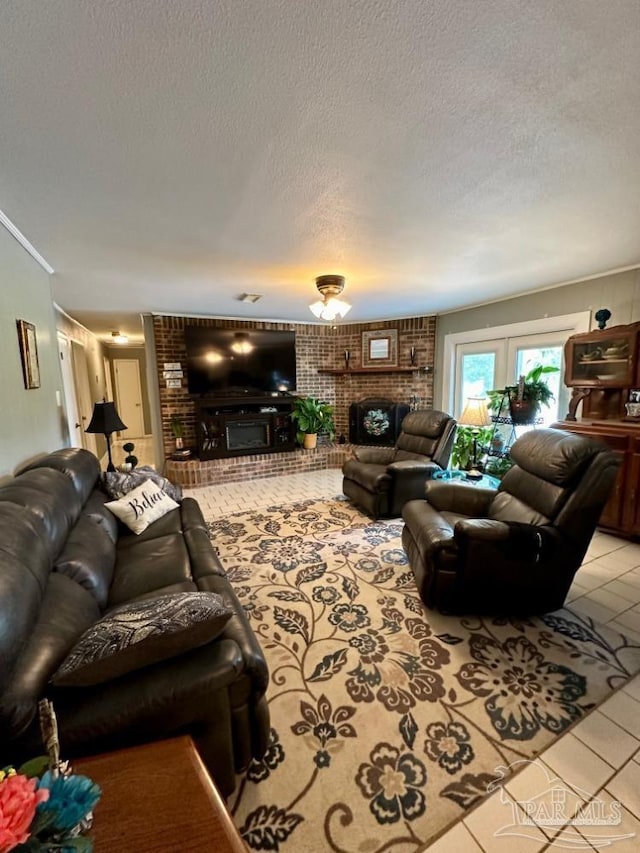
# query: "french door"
{"type": "Point", "coordinates": [487, 359]}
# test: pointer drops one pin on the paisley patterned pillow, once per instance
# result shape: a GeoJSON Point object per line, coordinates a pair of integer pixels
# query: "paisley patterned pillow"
{"type": "Point", "coordinates": [119, 483]}
{"type": "Point", "coordinates": [141, 633]}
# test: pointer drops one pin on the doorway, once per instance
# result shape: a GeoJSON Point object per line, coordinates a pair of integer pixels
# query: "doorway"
{"type": "Point", "coordinates": [84, 400]}
{"type": "Point", "coordinates": [128, 391]}
{"type": "Point", "coordinates": [72, 415]}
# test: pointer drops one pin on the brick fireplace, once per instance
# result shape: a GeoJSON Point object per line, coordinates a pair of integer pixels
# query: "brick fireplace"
{"type": "Point", "coordinates": [318, 348]}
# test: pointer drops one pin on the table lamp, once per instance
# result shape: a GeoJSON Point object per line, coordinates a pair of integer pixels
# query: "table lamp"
{"type": "Point", "coordinates": [475, 415]}
{"type": "Point", "coordinates": [105, 420]}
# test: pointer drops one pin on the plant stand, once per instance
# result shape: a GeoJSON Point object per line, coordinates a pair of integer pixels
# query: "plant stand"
{"type": "Point", "coordinates": [505, 428]}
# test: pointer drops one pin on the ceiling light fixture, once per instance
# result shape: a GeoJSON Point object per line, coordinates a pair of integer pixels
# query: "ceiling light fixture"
{"type": "Point", "coordinates": [330, 307]}
{"type": "Point", "coordinates": [118, 338]}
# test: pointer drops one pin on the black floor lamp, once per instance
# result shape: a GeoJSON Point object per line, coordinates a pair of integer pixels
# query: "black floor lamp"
{"type": "Point", "coordinates": [105, 420]}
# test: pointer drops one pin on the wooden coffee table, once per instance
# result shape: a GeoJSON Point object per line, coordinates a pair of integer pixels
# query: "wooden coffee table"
{"type": "Point", "coordinates": [158, 797]}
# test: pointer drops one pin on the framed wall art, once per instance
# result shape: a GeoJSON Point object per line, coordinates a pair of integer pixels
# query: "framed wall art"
{"type": "Point", "coordinates": [380, 349]}
{"type": "Point", "coordinates": [28, 353]}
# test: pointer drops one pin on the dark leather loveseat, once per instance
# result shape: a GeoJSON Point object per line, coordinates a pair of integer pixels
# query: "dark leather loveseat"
{"type": "Point", "coordinates": [64, 561]}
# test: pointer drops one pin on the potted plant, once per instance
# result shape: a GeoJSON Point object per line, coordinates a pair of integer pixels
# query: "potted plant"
{"type": "Point", "coordinates": [498, 466]}
{"type": "Point", "coordinates": [312, 416]}
{"type": "Point", "coordinates": [463, 448]}
{"type": "Point", "coordinates": [524, 399]}
{"type": "Point", "coordinates": [177, 428]}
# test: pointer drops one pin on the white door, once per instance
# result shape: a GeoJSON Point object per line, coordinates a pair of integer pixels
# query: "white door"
{"type": "Point", "coordinates": [72, 414]}
{"type": "Point", "coordinates": [508, 351]}
{"type": "Point", "coordinates": [525, 353]}
{"type": "Point", "coordinates": [479, 367]}
{"type": "Point", "coordinates": [129, 396]}
{"type": "Point", "coordinates": [83, 395]}
{"type": "Point", "coordinates": [107, 378]}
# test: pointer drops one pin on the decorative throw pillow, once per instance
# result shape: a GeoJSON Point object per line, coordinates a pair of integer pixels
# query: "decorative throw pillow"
{"type": "Point", "coordinates": [141, 633]}
{"type": "Point", "coordinates": [139, 508]}
{"type": "Point", "coordinates": [119, 483]}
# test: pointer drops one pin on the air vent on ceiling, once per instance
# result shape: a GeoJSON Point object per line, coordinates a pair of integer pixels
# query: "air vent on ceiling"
{"type": "Point", "coordinates": [250, 297]}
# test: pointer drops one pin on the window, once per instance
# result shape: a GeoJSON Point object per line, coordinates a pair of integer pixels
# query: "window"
{"type": "Point", "coordinates": [549, 355]}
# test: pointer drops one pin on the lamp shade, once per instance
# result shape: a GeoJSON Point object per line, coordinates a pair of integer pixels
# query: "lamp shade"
{"type": "Point", "coordinates": [330, 308]}
{"type": "Point", "coordinates": [105, 419]}
{"type": "Point", "coordinates": [475, 413]}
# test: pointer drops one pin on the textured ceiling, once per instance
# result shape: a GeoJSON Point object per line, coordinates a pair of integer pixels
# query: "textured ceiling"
{"type": "Point", "coordinates": [168, 156]}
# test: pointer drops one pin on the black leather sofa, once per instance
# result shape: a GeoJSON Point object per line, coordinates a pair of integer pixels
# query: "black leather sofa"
{"type": "Point", "coordinates": [64, 561]}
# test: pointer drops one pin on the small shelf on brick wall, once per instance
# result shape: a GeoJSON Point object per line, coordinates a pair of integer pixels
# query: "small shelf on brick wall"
{"type": "Point", "coordinates": [341, 371]}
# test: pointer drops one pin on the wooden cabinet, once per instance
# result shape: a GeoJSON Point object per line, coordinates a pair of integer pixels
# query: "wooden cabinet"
{"type": "Point", "coordinates": [602, 367]}
{"type": "Point", "coordinates": [631, 509]}
{"type": "Point", "coordinates": [622, 513]}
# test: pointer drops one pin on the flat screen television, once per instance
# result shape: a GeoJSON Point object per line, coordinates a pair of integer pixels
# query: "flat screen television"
{"type": "Point", "coordinates": [231, 362]}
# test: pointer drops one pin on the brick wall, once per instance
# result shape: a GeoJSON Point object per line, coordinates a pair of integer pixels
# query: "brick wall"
{"type": "Point", "coordinates": [317, 346]}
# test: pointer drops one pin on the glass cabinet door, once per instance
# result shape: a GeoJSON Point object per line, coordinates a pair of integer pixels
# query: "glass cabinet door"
{"type": "Point", "coordinates": [605, 359]}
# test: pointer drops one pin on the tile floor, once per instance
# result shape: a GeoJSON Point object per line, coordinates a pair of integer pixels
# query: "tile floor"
{"type": "Point", "coordinates": [595, 766]}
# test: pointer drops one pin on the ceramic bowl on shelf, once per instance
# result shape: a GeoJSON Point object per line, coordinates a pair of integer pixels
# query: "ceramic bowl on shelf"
{"type": "Point", "coordinates": [607, 377]}
{"type": "Point", "coordinates": [615, 352]}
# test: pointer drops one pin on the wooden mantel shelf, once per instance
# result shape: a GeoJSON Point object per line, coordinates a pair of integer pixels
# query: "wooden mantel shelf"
{"type": "Point", "coordinates": [341, 371]}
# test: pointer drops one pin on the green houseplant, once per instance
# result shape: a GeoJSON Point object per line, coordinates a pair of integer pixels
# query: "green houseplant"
{"type": "Point", "coordinates": [311, 417]}
{"type": "Point", "coordinates": [177, 429]}
{"type": "Point", "coordinates": [462, 450]}
{"type": "Point", "coordinates": [526, 397]}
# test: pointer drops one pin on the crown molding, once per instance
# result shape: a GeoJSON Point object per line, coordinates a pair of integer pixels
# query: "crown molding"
{"type": "Point", "coordinates": [19, 236]}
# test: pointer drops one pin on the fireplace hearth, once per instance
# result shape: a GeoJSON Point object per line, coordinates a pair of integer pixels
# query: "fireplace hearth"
{"type": "Point", "coordinates": [376, 421]}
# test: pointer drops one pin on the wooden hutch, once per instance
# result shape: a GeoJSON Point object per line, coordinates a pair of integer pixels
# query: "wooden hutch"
{"type": "Point", "coordinates": [603, 369]}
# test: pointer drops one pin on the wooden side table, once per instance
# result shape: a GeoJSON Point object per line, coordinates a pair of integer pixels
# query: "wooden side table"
{"type": "Point", "coordinates": [158, 797]}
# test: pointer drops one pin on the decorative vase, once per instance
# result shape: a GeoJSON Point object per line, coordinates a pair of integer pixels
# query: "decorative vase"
{"type": "Point", "coordinates": [179, 443]}
{"type": "Point", "coordinates": [310, 440]}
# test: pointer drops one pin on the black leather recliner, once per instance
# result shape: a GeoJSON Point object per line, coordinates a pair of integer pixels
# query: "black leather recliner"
{"type": "Point", "coordinates": [382, 479]}
{"type": "Point", "coordinates": [513, 550]}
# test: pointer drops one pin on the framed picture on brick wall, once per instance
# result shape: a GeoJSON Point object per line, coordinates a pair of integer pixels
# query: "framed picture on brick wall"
{"type": "Point", "coordinates": [380, 349]}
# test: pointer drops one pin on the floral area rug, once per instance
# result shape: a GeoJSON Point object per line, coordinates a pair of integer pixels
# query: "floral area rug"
{"type": "Point", "coordinates": [388, 720]}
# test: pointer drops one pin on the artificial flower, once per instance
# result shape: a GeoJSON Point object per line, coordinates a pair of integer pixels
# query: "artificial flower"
{"type": "Point", "coordinates": [71, 798]}
{"type": "Point", "coordinates": [18, 801]}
